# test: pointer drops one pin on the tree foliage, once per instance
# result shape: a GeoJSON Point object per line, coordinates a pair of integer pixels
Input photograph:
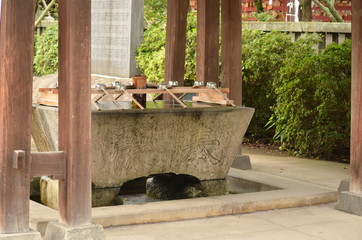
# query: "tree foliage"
{"type": "Point", "coordinates": [46, 51]}
{"type": "Point", "coordinates": [263, 56]}
{"type": "Point", "coordinates": [150, 55]}
{"type": "Point", "coordinates": [312, 110]}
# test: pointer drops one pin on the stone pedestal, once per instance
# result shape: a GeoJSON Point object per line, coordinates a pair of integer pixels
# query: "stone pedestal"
{"type": "Point", "coordinates": [242, 162]}
{"type": "Point", "coordinates": [57, 231]}
{"type": "Point", "coordinates": [350, 202]}
{"type": "Point", "coordinates": [100, 197]}
{"type": "Point", "coordinates": [32, 235]}
{"type": "Point", "coordinates": [117, 30]}
{"type": "Point", "coordinates": [344, 185]}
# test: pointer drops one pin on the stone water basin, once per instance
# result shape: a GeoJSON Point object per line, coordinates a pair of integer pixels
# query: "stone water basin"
{"type": "Point", "coordinates": [131, 144]}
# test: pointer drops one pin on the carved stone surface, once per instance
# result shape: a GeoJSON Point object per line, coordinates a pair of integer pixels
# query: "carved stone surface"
{"type": "Point", "coordinates": [129, 144]}
{"type": "Point", "coordinates": [117, 29]}
{"type": "Point", "coordinates": [199, 142]}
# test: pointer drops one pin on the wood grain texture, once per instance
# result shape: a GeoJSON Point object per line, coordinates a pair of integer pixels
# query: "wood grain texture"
{"type": "Point", "coordinates": [16, 69]}
{"type": "Point", "coordinates": [176, 40]}
{"type": "Point", "coordinates": [207, 54]}
{"type": "Point", "coordinates": [74, 110]}
{"type": "Point", "coordinates": [231, 48]}
{"type": "Point", "coordinates": [356, 92]}
{"type": "Point", "coordinates": [48, 164]}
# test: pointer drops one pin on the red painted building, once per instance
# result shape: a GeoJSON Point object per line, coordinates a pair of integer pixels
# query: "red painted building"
{"type": "Point", "coordinates": [280, 9]}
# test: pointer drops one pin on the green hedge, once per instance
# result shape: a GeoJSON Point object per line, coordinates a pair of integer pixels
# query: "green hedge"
{"type": "Point", "coordinates": [312, 110]}
{"type": "Point", "coordinates": [150, 55]}
{"type": "Point", "coordinates": [46, 51]}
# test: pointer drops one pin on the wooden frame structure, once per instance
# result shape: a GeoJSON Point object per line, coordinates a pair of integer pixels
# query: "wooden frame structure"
{"type": "Point", "coordinates": [72, 164]}
{"type": "Point", "coordinates": [17, 164]}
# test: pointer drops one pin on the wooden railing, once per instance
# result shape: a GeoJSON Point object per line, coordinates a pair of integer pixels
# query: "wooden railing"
{"type": "Point", "coordinates": [331, 32]}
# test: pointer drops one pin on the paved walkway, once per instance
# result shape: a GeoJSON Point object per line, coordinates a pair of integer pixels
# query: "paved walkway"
{"type": "Point", "coordinates": [307, 223]}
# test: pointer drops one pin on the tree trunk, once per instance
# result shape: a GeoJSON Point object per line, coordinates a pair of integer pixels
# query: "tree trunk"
{"type": "Point", "coordinates": [259, 6]}
{"type": "Point", "coordinates": [306, 11]}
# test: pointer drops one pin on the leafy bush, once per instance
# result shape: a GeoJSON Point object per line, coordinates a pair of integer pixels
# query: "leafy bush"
{"type": "Point", "coordinates": [155, 11]}
{"type": "Point", "coordinates": [263, 55]}
{"type": "Point", "coordinates": [312, 111]}
{"type": "Point", "coordinates": [46, 51]}
{"type": "Point", "coordinates": [150, 55]}
{"type": "Point", "coordinates": [264, 16]}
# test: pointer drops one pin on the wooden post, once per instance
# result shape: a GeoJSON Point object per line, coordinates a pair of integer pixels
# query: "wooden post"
{"type": "Point", "coordinates": [231, 48]}
{"type": "Point", "coordinates": [176, 40]}
{"type": "Point", "coordinates": [356, 108]}
{"type": "Point", "coordinates": [75, 110]}
{"type": "Point", "coordinates": [207, 64]}
{"type": "Point", "coordinates": [16, 78]}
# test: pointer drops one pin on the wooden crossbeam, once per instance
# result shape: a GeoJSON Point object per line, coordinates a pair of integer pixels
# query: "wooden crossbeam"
{"type": "Point", "coordinates": [209, 95]}
{"type": "Point", "coordinates": [48, 164]}
{"type": "Point", "coordinates": [175, 90]}
{"type": "Point", "coordinates": [112, 90]}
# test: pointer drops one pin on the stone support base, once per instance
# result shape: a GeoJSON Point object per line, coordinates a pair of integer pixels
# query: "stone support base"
{"type": "Point", "coordinates": [57, 231]}
{"type": "Point", "coordinates": [344, 186]}
{"type": "Point", "coordinates": [350, 202]}
{"type": "Point", "coordinates": [242, 162]}
{"type": "Point", "coordinates": [215, 187]}
{"type": "Point", "coordinates": [32, 235]}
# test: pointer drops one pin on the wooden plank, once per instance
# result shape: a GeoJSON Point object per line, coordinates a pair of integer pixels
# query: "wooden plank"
{"type": "Point", "coordinates": [356, 107]}
{"type": "Point", "coordinates": [48, 164]}
{"type": "Point", "coordinates": [75, 110]}
{"type": "Point", "coordinates": [231, 48]}
{"type": "Point", "coordinates": [173, 90]}
{"type": "Point", "coordinates": [176, 40]}
{"type": "Point", "coordinates": [48, 98]}
{"type": "Point", "coordinates": [207, 54]}
{"type": "Point", "coordinates": [53, 90]}
{"type": "Point", "coordinates": [210, 100]}
{"type": "Point", "coordinates": [16, 69]}
{"type": "Point", "coordinates": [111, 90]}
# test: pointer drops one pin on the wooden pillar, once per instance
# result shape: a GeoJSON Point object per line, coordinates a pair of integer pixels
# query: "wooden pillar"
{"type": "Point", "coordinates": [356, 108]}
{"type": "Point", "coordinates": [74, 110]}
{"type": "Point", "coordinates": [16, 79]}
{"type": "Point", "coordinates": [207, 64]}
{"type": "Point", "coordinates": [176, 40]}
{"type": "Point", "coordinates": [231, 48]}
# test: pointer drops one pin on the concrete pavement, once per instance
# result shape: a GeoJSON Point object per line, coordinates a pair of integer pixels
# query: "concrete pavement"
{"type": "Point", "coordinates": [304, 223]}
{"type": "Point", "coordinates": [307, 223]}
{"type": "Point", "coordinates": [300, 182]}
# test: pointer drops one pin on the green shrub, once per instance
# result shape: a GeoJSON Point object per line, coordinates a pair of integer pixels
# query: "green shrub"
{"type": "Point", "coordinates": [150, 55]}
{"type": "Point", "coordinates": [312, 111]}
{"type": "Point", "coordinates": [46, 52]}
{"type": "Point", "coordinates": [263, 55]}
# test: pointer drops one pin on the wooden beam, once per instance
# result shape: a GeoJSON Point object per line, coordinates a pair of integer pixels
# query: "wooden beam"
{"type": "Point", "coordinates": [75, 110]}
{"type": "Point", "coordinates": [356, 108]}
{"type": "Point", "coordinates": [208, 19]}
{"type": "Point", "coordinates": [48, 164]}
{"type": "Point", "coordinates": [176, 40]}
{"type": "Point", "coordinates": [16, 70]}
{"type": "Point", "coordinates": [231, 48]}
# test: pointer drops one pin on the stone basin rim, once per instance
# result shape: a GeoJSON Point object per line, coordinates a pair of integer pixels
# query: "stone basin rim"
{"type": "Point", "coordinates": [160, 110]}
